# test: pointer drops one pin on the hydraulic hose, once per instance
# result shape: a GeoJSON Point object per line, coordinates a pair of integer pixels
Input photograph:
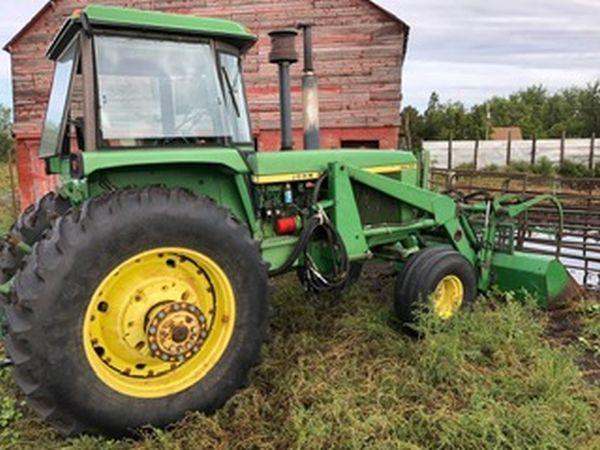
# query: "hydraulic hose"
{"type": "Point", "coordinates": [307, 231]}
{"type": "Point", "coordinates": [314, 280]}
{"type": "Point", "coordinates": [312, 277]}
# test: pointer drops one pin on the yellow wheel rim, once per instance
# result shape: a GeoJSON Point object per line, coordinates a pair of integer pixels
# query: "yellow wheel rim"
{"type": "Point", "coordinates": [448, 297]}
{"type": "Point", "coordinates": [159, 322]}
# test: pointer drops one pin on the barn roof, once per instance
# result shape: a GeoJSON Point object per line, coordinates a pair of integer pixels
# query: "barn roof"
{"type": "Point", "coordinates": [51, 5]}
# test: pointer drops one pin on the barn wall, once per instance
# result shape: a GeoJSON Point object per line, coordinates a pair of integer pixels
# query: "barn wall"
{"type": "Point", "coordinates": [358, 56]}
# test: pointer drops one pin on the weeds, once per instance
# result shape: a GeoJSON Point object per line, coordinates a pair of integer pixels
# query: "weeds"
{"type": "Point", "coordinates": [6, 211]}
{"type": "Point", "coordinates": [590, 335]}
{"type": "Point", "coordinates": [572, 169]}
{"type": "Point", "coordinates": [340, 373]}
{"type": "Point", "coordinates": [543, 168]}
{"type": "Point", "coordinates": [10, 409]}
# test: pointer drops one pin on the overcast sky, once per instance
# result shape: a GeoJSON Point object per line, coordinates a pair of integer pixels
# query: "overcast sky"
{"type": "Point", "coordinates": [464, 49]}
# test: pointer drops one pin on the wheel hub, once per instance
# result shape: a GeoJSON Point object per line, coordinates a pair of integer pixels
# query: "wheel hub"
{"type": "Point", "coordinates": [177, 332]}
{"type": "Point", "coordinates": [448, 297]}
{"type": "Point", "coordinates": [159, 322]}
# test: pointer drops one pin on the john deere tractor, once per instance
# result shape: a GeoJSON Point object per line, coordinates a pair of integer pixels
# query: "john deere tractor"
{"type": "Point", "coordinates": [138, 290]}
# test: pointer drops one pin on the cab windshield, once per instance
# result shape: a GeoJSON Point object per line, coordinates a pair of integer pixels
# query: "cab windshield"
{"type": "Point", "coordinates": [163, 93]}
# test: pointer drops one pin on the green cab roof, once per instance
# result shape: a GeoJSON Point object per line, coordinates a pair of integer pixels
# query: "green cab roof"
{"type": "Point", "coordinates": [134, 19]}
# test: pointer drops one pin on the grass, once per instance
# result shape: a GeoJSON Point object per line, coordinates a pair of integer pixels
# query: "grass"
{"type": "Point", "coordinates": [6, 209]}
{"type": "Point", "coordinates": [590, 329]}
{"type": "Point", "coordinates": [338, 373]}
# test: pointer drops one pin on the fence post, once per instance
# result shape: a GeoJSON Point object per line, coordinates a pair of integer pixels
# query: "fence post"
{"type": "Point", "coordinates": [533, 149]}
{"type": "Point", "coordinates": [592, 148]}
{"type": "Point", "coordinates": [509, 149]}
{"type": "Point", "coordinates": [563, 137]}
{"type": "Point", "coordinates": [450, 145]}
{"type": "Point", "coordinates": [476, 156]}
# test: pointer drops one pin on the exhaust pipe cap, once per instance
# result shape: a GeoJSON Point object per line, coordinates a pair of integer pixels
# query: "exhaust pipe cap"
{"type": "Point", "coordinates": [283, 46]}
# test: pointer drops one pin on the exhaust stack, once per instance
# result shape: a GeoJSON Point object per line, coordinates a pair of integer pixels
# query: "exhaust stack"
{"type": "Point", "coordinates": [310, 93]}
{"type": "Point", "coordinates": [283, 53]}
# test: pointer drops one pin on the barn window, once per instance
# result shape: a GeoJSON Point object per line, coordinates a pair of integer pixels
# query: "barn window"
{"type": "Point", "coordinates": [360, 144]}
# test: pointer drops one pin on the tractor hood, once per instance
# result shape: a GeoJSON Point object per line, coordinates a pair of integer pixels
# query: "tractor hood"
{"type": "Point", "coordinates": [285, 167]}
{"type": "Point", "coordinates": [108, 17]}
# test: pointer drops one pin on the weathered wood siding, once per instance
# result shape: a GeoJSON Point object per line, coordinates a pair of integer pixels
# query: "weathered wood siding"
{"type": "Point", "coordinates": [359, 50]}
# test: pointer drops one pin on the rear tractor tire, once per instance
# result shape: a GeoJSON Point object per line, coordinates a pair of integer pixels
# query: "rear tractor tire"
{"type": "Point", "coordinates": [437, 279]}
{"type": "Point", "coordinates": [29, 228]}
{"type": "Point", "coordinates": [142, 306]}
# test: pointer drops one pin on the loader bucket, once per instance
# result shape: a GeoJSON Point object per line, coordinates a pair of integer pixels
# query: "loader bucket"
{"type": "Point", "coordinates": [544, 277]}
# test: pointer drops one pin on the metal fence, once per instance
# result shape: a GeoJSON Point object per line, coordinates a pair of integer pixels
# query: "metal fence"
{"type": "Point", "coordinates": [578, 245]}
{"type": "Point", "coordinates": [480, 154]}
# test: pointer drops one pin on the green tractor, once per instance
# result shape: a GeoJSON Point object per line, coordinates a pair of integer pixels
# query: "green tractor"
{"type": "Point", "coordinates": [139, 290]}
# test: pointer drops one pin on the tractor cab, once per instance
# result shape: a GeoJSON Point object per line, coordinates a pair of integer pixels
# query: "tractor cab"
{"type": "Point", "coordinates": [128, 79]}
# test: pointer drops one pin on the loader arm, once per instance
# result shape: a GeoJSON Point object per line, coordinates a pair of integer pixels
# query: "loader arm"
{"type": "Point", "coordinates": [441, 210]}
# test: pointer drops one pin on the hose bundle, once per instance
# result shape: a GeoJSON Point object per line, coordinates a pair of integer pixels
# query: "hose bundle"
{"type": "Point", "coordinates": [319, 228]}
{"type": "Point", "coordinates": [313, 279]}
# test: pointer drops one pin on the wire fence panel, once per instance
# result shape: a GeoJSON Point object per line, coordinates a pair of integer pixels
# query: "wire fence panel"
{"type": "Point", "coordinates": [579, 241]}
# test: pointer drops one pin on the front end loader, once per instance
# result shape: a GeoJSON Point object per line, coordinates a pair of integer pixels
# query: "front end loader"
{"type": "Point", "coordinates": [138, 290]}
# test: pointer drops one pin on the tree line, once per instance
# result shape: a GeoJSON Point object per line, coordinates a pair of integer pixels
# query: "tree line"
{"type": "Point", "coordinates": [6, 138]}
{"type": "Point", "coordinates": [538, 112]}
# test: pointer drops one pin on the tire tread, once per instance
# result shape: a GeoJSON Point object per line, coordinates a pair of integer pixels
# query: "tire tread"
{"type": "Point", "coordinates": [31, 282]}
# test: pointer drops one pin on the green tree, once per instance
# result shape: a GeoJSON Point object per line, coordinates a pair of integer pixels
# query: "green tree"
{"type": "Point", "coordinates": [6, 138]}
{"type": "Point", "coordinates": [589, 103]}
{"type": "Point", "coordinates": [574, 111]}
{"type": "Point", "coordinates": [443, 120]}
{"type": "Point", "coordinates": [412, 122]}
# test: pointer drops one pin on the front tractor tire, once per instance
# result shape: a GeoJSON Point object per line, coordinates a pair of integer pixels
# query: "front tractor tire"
{"type": "Point", "coordinates": [142, 306]}
{"type": "Point", "coordinates": [435, 279]}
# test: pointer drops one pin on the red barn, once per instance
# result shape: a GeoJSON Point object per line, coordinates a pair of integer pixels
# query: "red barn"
{"type": "Point", "coordinates": [359, 53]}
